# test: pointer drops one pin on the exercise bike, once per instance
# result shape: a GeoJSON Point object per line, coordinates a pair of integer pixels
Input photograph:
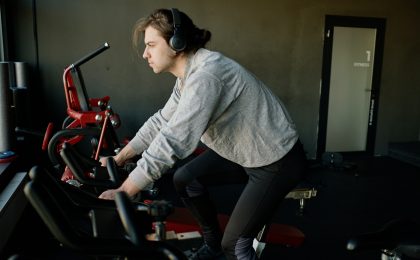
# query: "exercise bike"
{"type": "Point", "coordinates": [90, 175]}
{"type": "Point", "coordinates": [399, 239]}
{"type": "Point", "coordinates": [98, 228]}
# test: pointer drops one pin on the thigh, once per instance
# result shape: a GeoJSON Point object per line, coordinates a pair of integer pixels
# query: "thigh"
{"type": "Point", "coordinates": [209, 168]}
{"type": "Point", "coordinates": [266, 188]}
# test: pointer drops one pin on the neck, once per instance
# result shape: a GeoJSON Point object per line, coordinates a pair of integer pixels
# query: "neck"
{"type": "Point", "coordinates": [178, 69]}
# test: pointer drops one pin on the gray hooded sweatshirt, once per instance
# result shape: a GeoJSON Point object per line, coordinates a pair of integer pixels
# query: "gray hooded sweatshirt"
{"type": "Point", "coordinates": [226, 107]}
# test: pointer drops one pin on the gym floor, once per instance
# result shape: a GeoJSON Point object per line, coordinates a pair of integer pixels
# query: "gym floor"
{"type": "Point", "coordinates": [349, 201]}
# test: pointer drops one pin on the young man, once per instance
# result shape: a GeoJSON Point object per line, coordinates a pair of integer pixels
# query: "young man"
{"type": "Point", "coordinates": [248, 132]}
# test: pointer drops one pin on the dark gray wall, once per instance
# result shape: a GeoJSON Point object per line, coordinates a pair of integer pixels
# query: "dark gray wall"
{"type": "Point", "coordinates": [280, 41]}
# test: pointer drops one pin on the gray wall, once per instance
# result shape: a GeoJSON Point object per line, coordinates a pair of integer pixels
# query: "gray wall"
{"type": "Point", "coordinates": [280, 41]}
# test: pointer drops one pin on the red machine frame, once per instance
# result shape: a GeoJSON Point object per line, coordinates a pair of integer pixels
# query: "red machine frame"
{"type": "Point", "coordinates": [86, 116]}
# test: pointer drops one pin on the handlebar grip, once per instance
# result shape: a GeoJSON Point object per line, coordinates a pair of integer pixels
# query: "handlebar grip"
{"type": "Point", "coordinates": [127, 215]}
{"type": "Point", "coordinates": [111, 167]}
{"type": "Point", "coordinates": [91, 55]}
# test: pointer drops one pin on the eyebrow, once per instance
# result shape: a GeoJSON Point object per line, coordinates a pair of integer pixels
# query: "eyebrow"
{"type": "Point", "coordinates": [149, 42]}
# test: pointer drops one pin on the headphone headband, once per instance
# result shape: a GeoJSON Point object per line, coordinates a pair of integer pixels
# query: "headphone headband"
{"type": "Point", "coordinates": [175, 17]}
{"type": "Point", "coordinates": [177, 41]}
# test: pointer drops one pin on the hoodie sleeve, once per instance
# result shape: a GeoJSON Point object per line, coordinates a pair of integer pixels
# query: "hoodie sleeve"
{"type": "Point", "coordinates": [180, 136]}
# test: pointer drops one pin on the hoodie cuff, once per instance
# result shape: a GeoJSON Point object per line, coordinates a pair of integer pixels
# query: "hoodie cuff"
{"type": "Point", "coordinates": [140, 178]}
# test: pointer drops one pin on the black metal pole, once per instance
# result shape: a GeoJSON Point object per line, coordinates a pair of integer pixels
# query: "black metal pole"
{"type": "Point", "coordinates": [6, 129]}
{"type": "Point", "coordinates": [91, 55]}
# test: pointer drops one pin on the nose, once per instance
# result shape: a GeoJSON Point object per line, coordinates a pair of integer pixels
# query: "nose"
{"type": "Point", "coordinates": [146, 53]}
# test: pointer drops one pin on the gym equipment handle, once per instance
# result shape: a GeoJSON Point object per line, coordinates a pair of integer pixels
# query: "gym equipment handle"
{"type": "Point", "coordinates": [91, 55]}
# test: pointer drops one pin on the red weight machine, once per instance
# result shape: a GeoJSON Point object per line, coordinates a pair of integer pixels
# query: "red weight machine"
{"type": "Point", "coordinates": [90, 119]}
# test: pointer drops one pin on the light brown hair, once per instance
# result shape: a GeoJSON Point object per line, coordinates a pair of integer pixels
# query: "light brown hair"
{"type": "Point", "coordinates": [161, 20]}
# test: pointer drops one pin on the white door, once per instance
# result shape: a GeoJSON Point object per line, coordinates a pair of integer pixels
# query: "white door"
{"type": "Point", "coordinates": [349, 103]}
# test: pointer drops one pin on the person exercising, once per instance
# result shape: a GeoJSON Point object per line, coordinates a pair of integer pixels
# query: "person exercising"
{"type": "Point", "coordinates": [248, 132]}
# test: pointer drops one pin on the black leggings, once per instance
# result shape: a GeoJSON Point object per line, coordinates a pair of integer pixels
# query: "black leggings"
{"type": "Point", "coordinates": [265, 188]}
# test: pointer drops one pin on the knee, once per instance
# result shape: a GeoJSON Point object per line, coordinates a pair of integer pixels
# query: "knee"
{"type": "Point", "coordinates": [180, 179]}
{"type": "Point", "coordinates": [186, 185]}
{"type": "Point", "coordinates": [228, 246]}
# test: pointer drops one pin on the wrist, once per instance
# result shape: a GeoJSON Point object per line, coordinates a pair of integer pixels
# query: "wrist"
{"type": "Point", "coordinates": [118, 160]}
{"type": "Point", "coordinates": [129, 187]}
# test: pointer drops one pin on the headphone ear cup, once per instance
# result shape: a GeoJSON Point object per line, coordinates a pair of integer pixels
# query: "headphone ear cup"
{"type": "Point", "coordinates": [177, 43]}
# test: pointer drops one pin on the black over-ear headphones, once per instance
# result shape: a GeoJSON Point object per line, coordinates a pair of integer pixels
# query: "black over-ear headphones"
{"type": "Point", "coordinates": [177, 41]}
